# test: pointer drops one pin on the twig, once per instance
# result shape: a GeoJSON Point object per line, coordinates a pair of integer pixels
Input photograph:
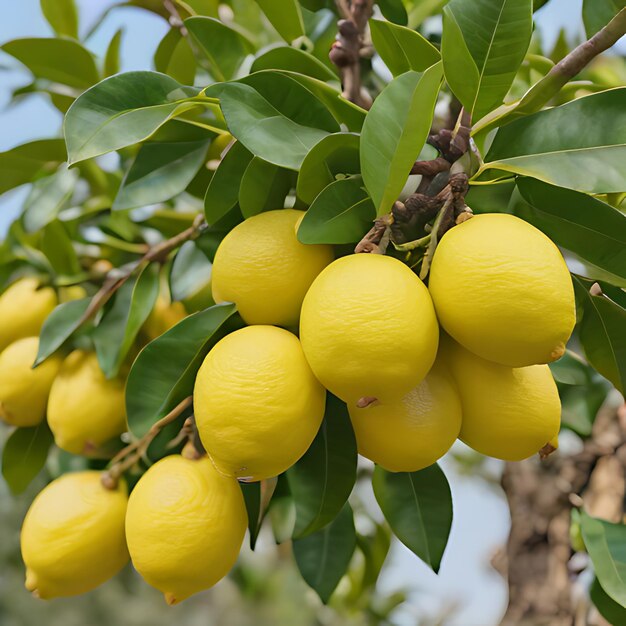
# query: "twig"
{"type": "Point", "coordinates": [133, 452]}
{"type": "Point", "coordinates": [175, 20]}
{"type": "Point", "coordinates": [346, 51]}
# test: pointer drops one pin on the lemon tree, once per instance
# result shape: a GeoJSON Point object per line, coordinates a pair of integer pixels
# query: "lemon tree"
{"type": "Point", "coordinates": [334, 240]}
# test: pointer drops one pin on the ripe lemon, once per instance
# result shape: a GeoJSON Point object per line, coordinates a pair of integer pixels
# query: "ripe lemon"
{"type": "Point", "coordinates": [73, 536]}
{"type": "Point", "coordinates": [23, 309]}
{"type": "Point", "coordinates": [368, 328]}
{"type": "Point", "coordinates": [263, 268]}
{"type": "Point", "coordinates": [501, 288]}
{"type": "Point", "coordinates": [258, 406]}
{"type": "Point", "coordinates": [508, 413]}
{"type": "Point", "coordinates": [23, 390]}
{"type": "Point", "coordinates": [164, 315]}
{"type": "Point", "coordinates": [85, 410]}
{"type": "Point", "coordinates": [185, 526]}
{"type": "Point", "coordinates": [413, 432]}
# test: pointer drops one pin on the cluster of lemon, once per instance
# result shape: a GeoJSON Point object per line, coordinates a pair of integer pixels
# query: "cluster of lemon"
{"type": "Point", "coordinates": [369, 332]}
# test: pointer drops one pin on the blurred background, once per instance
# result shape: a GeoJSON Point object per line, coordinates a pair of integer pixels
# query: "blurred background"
{"type": "Point", "coordinates": [264, 589]}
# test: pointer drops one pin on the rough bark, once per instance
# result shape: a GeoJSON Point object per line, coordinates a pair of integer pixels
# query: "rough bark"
{"type": "Point", "coordinates": [537, 560]}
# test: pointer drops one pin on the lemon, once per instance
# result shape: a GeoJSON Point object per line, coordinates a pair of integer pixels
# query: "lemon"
{"type": "Point", "coordinates": [23, 390]}
{"type": "Point", "coordinates": [85, 409]}
{"type": "Point", "coordinates": [23, 309]}
{"type": "Point", "coordinates": [164, 315]}
{"type": "Point", "coordinates": [185, 526]}
{"type": "Point", "coordinates": [368, 328]}
{"type": "Point", "coordinates": [501, 288]}
{"type": "Point", "coordinates": [263, 268]}
{"type": "Point", "coordinates": [73, 536]}
{"type": "Point", "coordinates": [508, 413]}
{"type": "Point", "coordinates": [73, 292]}
{"type": "Point", "coordinates": [258, 406]}
{"type": "Point", "coordinates": [413, 432]}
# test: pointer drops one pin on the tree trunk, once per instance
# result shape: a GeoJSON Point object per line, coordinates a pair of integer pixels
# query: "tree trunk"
{"type": "Point", "coordinates": [537, 560]}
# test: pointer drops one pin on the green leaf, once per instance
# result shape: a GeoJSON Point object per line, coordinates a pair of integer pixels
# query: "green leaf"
{"type": "Point", "coordinates": [121, 323]}
{"type": "Point", "coordinates": [483, 45]}
{"type": "Point", "coordinates": [57, 245]}
{"type": "Point", "coordinates": [29, 161]}
{"type": "Point", "coordinates": [593, 230]}
{"type": "Point", "coordinates": [324, 556]}
{"type": "Point", "coordinates": [112, 55]}
{"type": "Point", "coordinates": [598, 13]}
{"type": "Point", "coordinates": [264, 187]}
{"type": "Point", "coordinates": [418, 507]}
{"type": "Point", "coordinates": [122, 110]}
{"type": "Point", "coordinates": [601, 333]}
{"type": "Point", "coordinates": [191, 270]}
{"type": "Point", "coordinates": [24, 455]}
{"type": "Point", "coordinates": [60, 60]}
{"type": "Point", "coordinates": [493, 198]}
{"type": "Point", "coordinates": [47, 197]}
{"type": "Point", "coordinates": [402, 49]}
{"type": "Point", "coordinates": [613, 612]}
{"type": "Point", "coordinates": [341, 213]}
{"type": "Point", "coordinates": [175, 58]}
{"type": "Point", "coordinates": [580, 404]}
{"type": "Point", "coordinates": [223, 191]}
{"type": "Point", "coordinates": [62, 16]}
{"type": "Point", "coordinates": [571, 369]}
{"type": "Point", "coordinates": [336, 154]}
{"type": "Point", "coordinates": [252, 498]}
{"type": "Point", "coordinates": [394, 11]}
{"type": "Point", "coordinates": [559, 144]}
{"type": "Point", "coordinates": [395, 131]}
{"type": "Point", "coordinates": [159, 172]}
{"type": "Point", "coordinates": [292, 60]}
{"type": "Point", "coordinates": [59, 325]}
{"type": "Point", "coordinates": [322, 480]}
{"type": "Point", "coordinates": [263, 130]}
{"type": "Point", "coordinates": [285, 17]}
{"type": "Point", "coordinates": [164, 372]}
{"type": "Point", "coordinates": [606, 545]}
{"type": "Point", "coordinates": [224, 47]}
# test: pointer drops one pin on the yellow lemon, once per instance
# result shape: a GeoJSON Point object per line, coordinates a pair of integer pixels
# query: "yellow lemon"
{"type": "Point", "coordinates": [85, 410]}
{"type": "Point", "coordinates": [263, 268]}
{"type": "Point", "coordinates": [164, 315]}
{"type": "Point", "coordinates": [23, 309]}
{"type": "Point", "coordinates": [23, 390]}
{"type": "Point", "coordinates": [508, 413]}
{"type": "Point", "coordinates": [73, 292]}
{"type": "Point", "coordinates": [185, 526]}
{"type": "Point", "coordinates": [413, 432]}
{"type": "Point", "coordinates": [73, 536]}
{"type": "Point", "coordinates": [501, 288]}
{"type": "Point", "coordinates": [258, 406]}
{"type": "Point", "coordinates": [368, 328]}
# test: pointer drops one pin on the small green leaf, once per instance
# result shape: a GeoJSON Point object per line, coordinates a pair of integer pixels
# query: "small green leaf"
{"type": "Point", "coordinates": [223, 191]}
{"type": "Point", "coordinates": [402, 49]}
{"type": "Point", "coordinates": [59, 60]}
{"type": "Point", "coordinates": [292, 60]}
{"type": "Point", "coordinates": [264, 187]}
{"type": "Point", "coordinates": [175, 58]}
{"type": "Point", "coordinates": [191, 270]}
{"type": "Point", "coordinates": [395, 131]}
{"type": "Point", "coordinates": [62, 16]}
{"type": "Point", "coordinates": [122, 110]}
{"type": "Point", "coordinates": [57, 245]}
{"type": "Point", "coordinates": [394, 11]}
{"type": "Point", "coordinates": [159, 172]}
{"type": "Point", "coordinates": [263, 130]}
{"type": "Point", "coordinates": [418, 507]}
{"type": "Point", "coordinates": [341, 213]}
{"type": "Point", "coordinates": [252, 498]}
{"type": "Point", "coordinates": [164, 372]}
{"type": "Point", "coordinates": [606, 544]}
{"type": "Point", "coordinates": [323, 557]}
{"type": "Point", "coordinates": [118, 329]}
{"type": "Point", "coordinates": [493, 198]}
{"type": "Point", "coordinates": [224, 47]}
{"type": "Point", "coordinates": [59, 325]}
{"type": "Point", "coordinates": [322, 480]}
{"type": "Point", "coordinates": [337, 154]}
{"type": "Point", "coordinates": [112, 56]}
{"type": "Point", "coordinates": [598, 13]}
{"type": "Point", "coordinates": [613, 612]}
{"type": "Point", "coordinates": [285, 17]}
{"type": "Point", "coordinates": [601, 333]}
{"type": "Point", "coordinates": [24, 455]}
